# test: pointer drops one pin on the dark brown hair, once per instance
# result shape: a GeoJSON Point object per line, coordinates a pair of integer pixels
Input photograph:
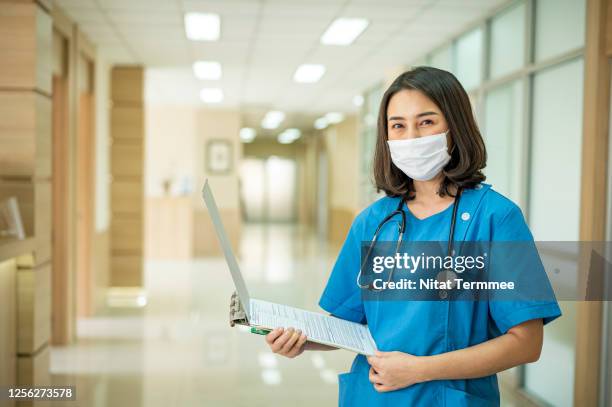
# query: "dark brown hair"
{"type": "Point", "coordinates": [468, 153]}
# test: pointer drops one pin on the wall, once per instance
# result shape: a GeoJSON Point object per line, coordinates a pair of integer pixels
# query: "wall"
{"type": "Point", "coordinates": [175, 150]}
{"type": "Point", "coordinates": [212, 124]}
{"type": "Point", "coordinates": [342, 145]}
{"type": "Point", "coordinates": [170, 149]}
{"type": "Point", "coordinates": [170, 158]}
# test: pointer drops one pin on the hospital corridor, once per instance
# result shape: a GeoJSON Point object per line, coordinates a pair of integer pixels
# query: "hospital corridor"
{"type": "Point", "coordinates": [121, 119]}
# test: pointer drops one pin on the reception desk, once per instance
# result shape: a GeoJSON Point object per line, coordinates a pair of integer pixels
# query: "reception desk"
{"type": "Point", "coordinates": [25, 317]}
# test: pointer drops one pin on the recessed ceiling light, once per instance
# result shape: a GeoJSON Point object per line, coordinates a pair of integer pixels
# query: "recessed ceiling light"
{"type": "Point", "coordinates": [202, 26]}
{"type": "Point", "coordinates": [247, 134]}
{"type": "Point", "coordinates": [308, 73]}
{"type": "Point", "coordinates": [343, 31]}
{"type": "Point", "coordinates": [289, 136]}
{"type": "Point", "coordinates": [211, 95]}
{"type": "Point", "coordinates": [358, 100]}
{"type": "Point", "coordinates": [334, 117]}
{"type": "Point", "coordinates": [321, 123]}
{"type": "Point", "coordinates": [272, 119]}
{"type": "Point", "coordinates": [207, 70]}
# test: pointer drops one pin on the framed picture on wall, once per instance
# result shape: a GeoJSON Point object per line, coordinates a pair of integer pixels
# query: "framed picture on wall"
{"type": "Point", "coordinates": [218, 156]}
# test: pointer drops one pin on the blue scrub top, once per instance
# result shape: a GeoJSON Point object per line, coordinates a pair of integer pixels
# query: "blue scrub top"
{"type": "Point", "coordinates": [429, 327]}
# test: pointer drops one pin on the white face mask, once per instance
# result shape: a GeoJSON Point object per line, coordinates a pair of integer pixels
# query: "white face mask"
{"type": "Point", "coordinates": [420, 158]}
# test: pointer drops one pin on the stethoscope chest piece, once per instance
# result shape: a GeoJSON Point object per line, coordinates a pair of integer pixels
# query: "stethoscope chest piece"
{"type": "Point", "coordinates": [447, 276]}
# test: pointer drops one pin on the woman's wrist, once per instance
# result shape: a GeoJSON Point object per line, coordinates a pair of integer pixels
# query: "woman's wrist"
{"type": "Point", "coordinates": [426, 369]}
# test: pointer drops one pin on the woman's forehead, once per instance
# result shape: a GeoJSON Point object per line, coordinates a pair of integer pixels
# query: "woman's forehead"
{"type": "Point", "coordinates": [409, 103]}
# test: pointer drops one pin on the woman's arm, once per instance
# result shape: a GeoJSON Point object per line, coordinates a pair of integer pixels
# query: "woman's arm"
{"type": "Point", "coordinates": [291, 343]}
{"type": "Point", "coordinates": [521, 344]}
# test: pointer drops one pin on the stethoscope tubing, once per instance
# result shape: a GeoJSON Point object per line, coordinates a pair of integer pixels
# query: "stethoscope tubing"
{"type": "Point", "coordinates": [400, 211]}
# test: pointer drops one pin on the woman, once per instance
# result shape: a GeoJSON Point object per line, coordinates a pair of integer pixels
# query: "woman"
{"type": "Point", "coordinates": [430, 352]}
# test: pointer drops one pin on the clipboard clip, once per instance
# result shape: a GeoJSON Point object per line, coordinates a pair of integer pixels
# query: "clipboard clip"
{"type": "Point", "coordinates": [237, 314]}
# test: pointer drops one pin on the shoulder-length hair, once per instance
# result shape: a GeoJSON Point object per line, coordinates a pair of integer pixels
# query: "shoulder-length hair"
{"type": "Point", "coordinates": [467, 149]}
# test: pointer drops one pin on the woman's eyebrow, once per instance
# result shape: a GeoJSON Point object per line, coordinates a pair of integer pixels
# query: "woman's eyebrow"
{"type": "Point", "coordinates": [426, 114]}
{"type": "Point", "coordinates": [417, 116]}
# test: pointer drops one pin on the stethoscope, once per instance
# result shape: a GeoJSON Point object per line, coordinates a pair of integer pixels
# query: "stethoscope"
{"type": "Point", "coordinates": [444, 275]}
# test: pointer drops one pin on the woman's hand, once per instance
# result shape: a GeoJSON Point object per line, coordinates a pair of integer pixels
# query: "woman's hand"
{"type": "Point", "coordinates": [286, 342]}
{"type": "Point", "coordinates": [394, 370]}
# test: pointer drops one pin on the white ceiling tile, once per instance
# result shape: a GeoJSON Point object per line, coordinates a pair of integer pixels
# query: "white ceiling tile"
{"type": "Point", "coordinates": [102, 33]}
{"type": "Point", "coordinates": [139, 5]}
{"type": "Point", "coordinates": [152, 33]}
{"type": "Point", "coordinates": [399, 12]}
{"type": "Point", "coordinates": [238, 28]}
{"type": "Point", "coordinates": [303, 9]}
{"type": "Point", "coordinates": [84, 15]}
{"type": "Point", "coordinates": [394, 3]}
{"type": "Point", "coordinates": [149, 17]}
{"type": "Point", "coordinates": [225, 8]}
{"type": "Point", "coordinates": [117, 54]}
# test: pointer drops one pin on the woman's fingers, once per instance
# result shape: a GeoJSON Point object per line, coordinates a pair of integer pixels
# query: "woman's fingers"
{"type": "Point", "coordinates": [272, 335]}
{"type": "Point", "coordinates": [279, 342]}
{"type": "Point", "coordinates": [287, 342]}
{"type": "Point", "coordinates": [295, 335]}
{"type": "Point", "coordinates": [373, 376]}
{"type": "Point", "coordinates": [298, 347]}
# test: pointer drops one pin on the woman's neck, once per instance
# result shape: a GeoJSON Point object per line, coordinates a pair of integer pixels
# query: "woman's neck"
{"type": "Point", "coordinates": [428, 191]}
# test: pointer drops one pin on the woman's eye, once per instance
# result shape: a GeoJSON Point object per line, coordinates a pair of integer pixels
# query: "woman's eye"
{"type": "Point", "coordinates": [427, 122]}
{"type": "Point", "coordinates": [396, 124]}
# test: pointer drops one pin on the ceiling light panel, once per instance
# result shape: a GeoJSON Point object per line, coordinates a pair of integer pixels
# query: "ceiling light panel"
{"type": "Point", "coordinates": [308, 73]}
{"type": "Point", "coordinates": [207, 70]}
{"type": "Point", "coordinates": [344, 31]}
{"type": "Point", "coordinates": [202, 26]}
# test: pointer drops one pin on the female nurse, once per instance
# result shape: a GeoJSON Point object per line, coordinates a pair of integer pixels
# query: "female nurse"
{"type": "Point", "coordinates": [430, 353]}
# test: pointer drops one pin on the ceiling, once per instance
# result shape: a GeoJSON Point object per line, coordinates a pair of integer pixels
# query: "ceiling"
{"type": "Point", "coordinates": [263, 41]}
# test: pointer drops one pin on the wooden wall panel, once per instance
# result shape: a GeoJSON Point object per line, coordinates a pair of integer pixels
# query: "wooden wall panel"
{"type": "Point", "coordinates": [127, 169]}
{"type": "Point", "coordinates": [25, 134]}
{"type": "Point", "coordinates": [128, 85]}
{"type": "Point", "coordinates": [127, 122]}
{"type": "Point", "coordinates": [127, 271]}
{"type": "Point", "coordinates": [25, 43]}
{"type": "Point", "coordinates": [129, 195]}
{"type": "Point", "coordinates": [26, 35]}
{"type": "Point", "coordinates": [8, 322]}
{"type": "Point", "coordinates": [127, 160]}
{"type": "Point", "coordinates": [34, 369]}
{"type": "Point", "coordinates": [127, 235]}
{"type": "Point", "coordinates": [33, 308]}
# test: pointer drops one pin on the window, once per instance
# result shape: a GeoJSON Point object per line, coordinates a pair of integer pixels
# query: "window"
{"type": "Point", "coordinates": [468, 54]}
{"type": "Point", "coordinates": [507, 48]}
{"type": "Point", "coordinates": [503, 134]}
{"type": "Point", "coordinates": [559, 27]}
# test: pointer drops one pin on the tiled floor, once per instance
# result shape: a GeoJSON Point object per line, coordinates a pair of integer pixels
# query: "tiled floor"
{"type": "Point", "coordinates": [179, 350]}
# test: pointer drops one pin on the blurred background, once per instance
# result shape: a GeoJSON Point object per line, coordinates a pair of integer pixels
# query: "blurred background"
{"type": "Point", "coordinates": [113, 112]}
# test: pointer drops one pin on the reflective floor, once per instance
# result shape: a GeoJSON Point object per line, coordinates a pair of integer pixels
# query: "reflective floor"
{"type": "Point", "coordinates": [179, 349]}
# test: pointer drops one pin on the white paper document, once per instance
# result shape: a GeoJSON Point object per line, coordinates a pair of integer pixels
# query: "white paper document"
{"type": "Point", "coordinates": [317, 327]}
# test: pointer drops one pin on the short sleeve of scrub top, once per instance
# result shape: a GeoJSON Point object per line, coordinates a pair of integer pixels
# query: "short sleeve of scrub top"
{"type": "Point", "coordinates": [342, 296]}
{"type": "Point", "coordinates": [507, 314]}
